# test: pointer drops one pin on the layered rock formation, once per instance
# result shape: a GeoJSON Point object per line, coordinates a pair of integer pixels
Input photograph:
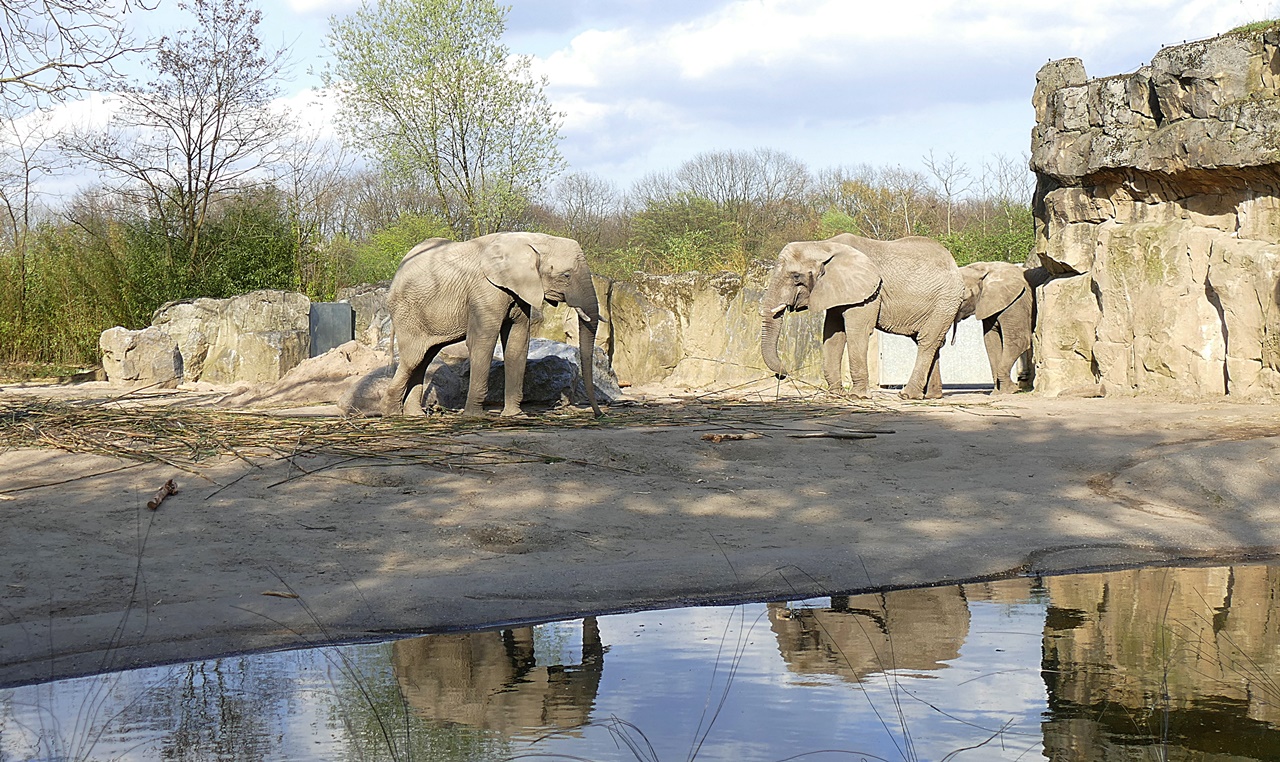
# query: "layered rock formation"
{"type": "Point", "coordinates": [1158, 211]}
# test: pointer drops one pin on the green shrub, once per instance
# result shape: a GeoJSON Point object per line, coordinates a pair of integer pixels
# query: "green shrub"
{"type": "Point", "coordinates": [377, 259]}
{"type": "Point", "coordinates": [1009, 237]}
{"type": "Point", "coordinates": [686, 233]}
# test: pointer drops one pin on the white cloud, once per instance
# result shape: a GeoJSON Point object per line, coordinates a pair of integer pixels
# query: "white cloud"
{"type": "Point", "coordinates": [806, 76]}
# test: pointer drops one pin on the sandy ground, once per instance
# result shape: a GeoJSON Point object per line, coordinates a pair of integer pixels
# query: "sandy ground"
{"type": "Point", "coordinates": [619, 517]}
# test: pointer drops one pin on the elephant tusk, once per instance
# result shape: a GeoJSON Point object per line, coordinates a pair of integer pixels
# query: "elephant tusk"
{"type": "Point", "coordinates": [584, 317]}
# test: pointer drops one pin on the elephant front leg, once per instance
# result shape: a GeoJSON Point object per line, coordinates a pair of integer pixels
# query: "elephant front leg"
{"type": "Point", "coordinates": [515, 353]}
{"type": "Point", "coordinates": [415, 355]}
{"type": "Point", "coordinates": [833, 344]}
{"type": "Point", "coordinates": [859, 322]}
{"type": "Point", "coordinates": [481, 339]}
{"type": "Point", "coordinates": [994, 342]}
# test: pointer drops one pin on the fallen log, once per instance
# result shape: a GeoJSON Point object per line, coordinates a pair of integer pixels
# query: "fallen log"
{"type": "Point", "coordinates": [168, 489]}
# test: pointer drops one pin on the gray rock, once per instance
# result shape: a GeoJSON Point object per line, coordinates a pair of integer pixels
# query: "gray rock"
{"type": "Point", "coordinates": [135, 359]}
{"type": "Point", "coordinates": [552, 376]}
{"type": "Point", "coordinates": [254, 338]}
{"type": "Point", "coordinates": [373, 319]}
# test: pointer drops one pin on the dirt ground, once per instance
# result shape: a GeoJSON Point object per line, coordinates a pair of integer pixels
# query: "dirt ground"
{"type": "Point", "coordinates": [637, 511]}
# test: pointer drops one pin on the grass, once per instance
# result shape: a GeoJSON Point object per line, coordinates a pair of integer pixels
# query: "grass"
{"type": "Point", "coordinates": [1256, 26]}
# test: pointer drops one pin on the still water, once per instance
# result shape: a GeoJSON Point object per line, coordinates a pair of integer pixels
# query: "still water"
{"type": "Point", "coordinates": [1148, 664]}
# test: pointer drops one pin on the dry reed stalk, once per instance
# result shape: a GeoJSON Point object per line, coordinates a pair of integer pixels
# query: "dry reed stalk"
{"type": "Point", "coordinates": [184, 437]}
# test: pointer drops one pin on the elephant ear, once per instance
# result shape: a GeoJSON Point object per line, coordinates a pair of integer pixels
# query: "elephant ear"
{"type": "Point", "coordinates": [512, 264]}
{"type": "Point", "coordinates": [848, 277]}
{"type": "Point", "coordinates": [1000, 287]}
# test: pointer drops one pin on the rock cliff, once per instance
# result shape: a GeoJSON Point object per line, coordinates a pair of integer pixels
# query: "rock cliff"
{"type": "Point", "coordinates": [1158, 212]}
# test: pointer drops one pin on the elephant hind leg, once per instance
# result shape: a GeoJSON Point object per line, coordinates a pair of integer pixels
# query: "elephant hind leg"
{"type": "Point", "coordinates": [415, 355]}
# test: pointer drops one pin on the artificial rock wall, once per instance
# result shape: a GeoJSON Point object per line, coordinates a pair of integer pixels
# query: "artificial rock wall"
{"type": "Point", "coordinates": [1158, 212]}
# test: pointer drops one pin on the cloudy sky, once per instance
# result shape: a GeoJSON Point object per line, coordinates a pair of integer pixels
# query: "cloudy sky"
{"type": "Point", "coordinates": [647, 84]}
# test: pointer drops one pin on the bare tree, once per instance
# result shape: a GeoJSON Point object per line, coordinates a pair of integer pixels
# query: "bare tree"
{"type": "Point", "coordinates": [311, 173]}
{"type": "Point", "coordinates": [952, 175]}
{"type": "Point", "coordinates": [24, 160]}
{"type": "Point", "coordinates": [766, 192]}
{"type": "Point", "coordinates": [587, 203]}
{"type": "Point", "coordinates": [49, 48]}
{"type": "Point", "coordinates": [200, 129]}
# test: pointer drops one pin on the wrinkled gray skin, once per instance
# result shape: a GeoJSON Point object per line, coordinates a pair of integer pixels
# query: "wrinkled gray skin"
{"type": "Point", "coordinates": [481, 290]}
{"type": "Point", "coordinates": [919, 293]}
{"type": "Point", "coordinates": [831, 277]}
{"type": "Point", "coordinates": [998, 294]}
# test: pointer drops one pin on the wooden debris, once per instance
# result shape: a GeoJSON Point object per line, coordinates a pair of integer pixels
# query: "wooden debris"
{"type": "Point", "coordinates": [833, 435]}
{"type": "Point", "coordinates": [168, 489]}
{"type": "Point", "coordinates": [730, 436]}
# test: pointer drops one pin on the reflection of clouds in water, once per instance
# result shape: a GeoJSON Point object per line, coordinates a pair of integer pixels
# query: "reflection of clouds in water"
{"type": "Point", "coordinates": [999, 684]}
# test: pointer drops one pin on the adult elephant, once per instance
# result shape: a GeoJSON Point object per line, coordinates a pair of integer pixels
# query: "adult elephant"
{"type": "Point", "coordinates": [917, 293]}
{"type": "Point", "coordinates": [481, 290]}
{"type": "Point", "coordinates": [999, 295]}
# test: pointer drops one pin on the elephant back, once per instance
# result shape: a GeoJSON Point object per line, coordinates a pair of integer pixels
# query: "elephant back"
{"type": "Point", "coordinates": [921, 282]}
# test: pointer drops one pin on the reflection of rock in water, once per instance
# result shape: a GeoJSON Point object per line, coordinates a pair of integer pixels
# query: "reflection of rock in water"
{"type": "Point", "coordinates": [491, 680]}
{"type": "Point", "coordinates": [865, 634]}
{"type": "Point", "coordinates": [1189, 655]}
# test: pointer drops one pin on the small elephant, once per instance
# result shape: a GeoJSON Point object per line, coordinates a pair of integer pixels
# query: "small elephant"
{"type": "Point", "coordinates": [909, 287]}
{"type": "Point", "coordinates": [481, 290]}
{"type": "Point", "coordinates": [999, 295]}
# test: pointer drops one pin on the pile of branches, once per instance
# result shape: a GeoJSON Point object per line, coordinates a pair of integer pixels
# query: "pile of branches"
{"type": "Point", "coordinates": [184, 436]}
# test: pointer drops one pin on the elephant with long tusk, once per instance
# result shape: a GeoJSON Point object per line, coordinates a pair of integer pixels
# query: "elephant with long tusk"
{"type": "Point", "coordinates": [481, 290]}
{"type": "Point", "coordinates": [910, 287]}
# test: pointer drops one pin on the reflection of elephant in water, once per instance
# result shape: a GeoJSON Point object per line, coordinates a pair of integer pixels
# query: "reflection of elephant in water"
{"type": "Point", "coordinates": [491, 680]}
{"type": "Point", "coordinates": [480, 290]}
{"type": "Point", "coordinates": [998, 294]}
{"type": "Point", "coordinates": [910, 287]}
{"type": "Point", "coordinates": [864, 635]}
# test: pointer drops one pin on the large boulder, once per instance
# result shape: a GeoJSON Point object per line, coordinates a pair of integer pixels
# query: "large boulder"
{"type": "Point", "coordinates": [373, 319]}
{"type": "Point", "coordinates": [702, 331]}
{"type": "Point", "coordinates": [145, 358]}
{"type": "Point", "coordinates": [325, 378]}
{"type": "Point", "coordinates": [253, 338]}
{"type": "Point", "coordinates": [552, 376]}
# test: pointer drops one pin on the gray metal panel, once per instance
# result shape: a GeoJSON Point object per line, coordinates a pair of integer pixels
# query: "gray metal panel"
{"type": "Point", "coordinates": [332, 324]}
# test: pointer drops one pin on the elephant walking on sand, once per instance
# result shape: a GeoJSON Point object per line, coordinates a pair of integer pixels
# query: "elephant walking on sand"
{"type": "Point", "coordinates": [910, 287]}
{"type": "Point", "coordinates": [999, 295]}
{"type": "Point", "coordinates": [481, 290]}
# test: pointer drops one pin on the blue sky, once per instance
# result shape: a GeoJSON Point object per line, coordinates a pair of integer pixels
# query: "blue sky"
{"type": "Point", "coordinates": [647, 84]}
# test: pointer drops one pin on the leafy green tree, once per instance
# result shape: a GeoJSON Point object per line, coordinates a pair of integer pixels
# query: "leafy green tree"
{"type": "Point", "coordinates": [428, 89]}
{"type": "Point", "coordinates": [377, 259]}
{"type": "Point", "coordinates": [1007, 237]}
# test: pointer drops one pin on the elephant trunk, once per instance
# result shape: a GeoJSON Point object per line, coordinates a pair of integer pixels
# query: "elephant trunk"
{"type": "Point", "coordinates": [586, 358]}
{"type": "Point", "coordinates": [582, 297]}
{"type": "Point", "coordinates": [769, 344]}
{"type": "Point", "coordinates": [776, 299]}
